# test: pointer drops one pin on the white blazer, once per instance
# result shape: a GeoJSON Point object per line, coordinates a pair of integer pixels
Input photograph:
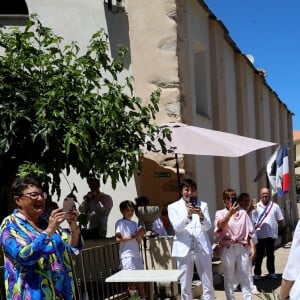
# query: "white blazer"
{"type": "Point", "coordinates": [184, 228]}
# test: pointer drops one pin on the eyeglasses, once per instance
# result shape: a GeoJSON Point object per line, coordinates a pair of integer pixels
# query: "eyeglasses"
{"type": "Point", "coordinates": [228, 198]}
{"type": "Point", "coordinates": [35, 195]}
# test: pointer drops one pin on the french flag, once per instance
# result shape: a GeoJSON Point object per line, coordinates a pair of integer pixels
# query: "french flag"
{"type": "Point", "coordinates": [282, 172]}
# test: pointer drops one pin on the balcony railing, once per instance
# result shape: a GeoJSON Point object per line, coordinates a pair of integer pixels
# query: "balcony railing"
{"type": "Point", "coordinates": [90, 269]}
{"type": "Point", "coordinates": [92, 266]}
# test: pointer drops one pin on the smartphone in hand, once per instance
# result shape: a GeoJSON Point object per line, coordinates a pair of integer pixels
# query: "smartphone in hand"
{"type": "Point", "coordinates": [68, 205]}
{"type": "Point", "coordinates": [193, 200]}
{"type": "Point", "coordinates": [233, 200]}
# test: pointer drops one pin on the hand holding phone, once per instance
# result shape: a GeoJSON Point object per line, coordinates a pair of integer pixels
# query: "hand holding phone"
{"type": "Point", "coordinates": [193, 201]}
{"type": "Point", "coordinates": [234, 200]}
{"type": "Point", "coordinates": [68, 205]}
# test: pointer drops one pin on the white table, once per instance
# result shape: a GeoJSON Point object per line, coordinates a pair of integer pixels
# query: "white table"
{"type": "Point", "coordinates": [150, 276]}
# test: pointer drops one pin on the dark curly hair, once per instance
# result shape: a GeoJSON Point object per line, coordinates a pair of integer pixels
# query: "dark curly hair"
{"type": "Point", "coordinates": [21, 184]}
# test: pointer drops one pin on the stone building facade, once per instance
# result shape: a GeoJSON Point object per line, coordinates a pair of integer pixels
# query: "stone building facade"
{"type": "Point", "coordinates": [181, 47]}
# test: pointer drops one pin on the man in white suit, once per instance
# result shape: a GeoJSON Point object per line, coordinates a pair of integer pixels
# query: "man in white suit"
{"type": "Point", "coordinates": [190, 220]}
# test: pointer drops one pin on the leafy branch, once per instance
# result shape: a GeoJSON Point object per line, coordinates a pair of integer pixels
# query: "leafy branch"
{"type": "Point", "coordinates": [60, 108]}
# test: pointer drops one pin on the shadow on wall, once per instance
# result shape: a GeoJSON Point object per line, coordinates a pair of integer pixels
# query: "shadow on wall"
{"type": "Point", "coordinates": [157, 183]}
{"type": "Point", "coordinates": [118, 32]}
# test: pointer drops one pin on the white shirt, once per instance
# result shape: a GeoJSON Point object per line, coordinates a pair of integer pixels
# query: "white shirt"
{"type": "Point", "coordinates": [159, 228]}
{"type": "Point", "coordinates": [128, 248]}
{"type": "Point", "coordinates": [269, 226]}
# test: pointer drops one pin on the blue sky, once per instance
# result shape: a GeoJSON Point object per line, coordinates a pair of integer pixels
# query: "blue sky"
{"type": "Point", "coordinates": [268, 30]}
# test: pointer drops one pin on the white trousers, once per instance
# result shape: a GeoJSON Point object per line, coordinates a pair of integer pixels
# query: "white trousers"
{"type": "Point", "coordinates": [237, 278]}
{"type": "Point", "coordinates": [236, 259]}
{"type": "Point", "coordinates": [204, 269]}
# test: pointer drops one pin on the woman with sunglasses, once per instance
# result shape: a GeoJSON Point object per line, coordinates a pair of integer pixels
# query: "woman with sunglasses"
{"type": "Point", "coordinates": [36, 260]}
{"type": "Point", "coordinates": [235, 231]}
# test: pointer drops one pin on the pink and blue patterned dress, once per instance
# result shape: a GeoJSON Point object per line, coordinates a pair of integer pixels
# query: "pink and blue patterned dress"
{"type": "Point", "coordinates": [36, 266]}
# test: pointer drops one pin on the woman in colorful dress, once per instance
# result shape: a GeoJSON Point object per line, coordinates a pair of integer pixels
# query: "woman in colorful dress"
{"type": "Point", "coordinates": [36, 251]}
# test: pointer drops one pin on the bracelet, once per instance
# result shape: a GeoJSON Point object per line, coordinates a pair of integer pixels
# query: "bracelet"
{"type": "Point", "coordinates": [49, 236]}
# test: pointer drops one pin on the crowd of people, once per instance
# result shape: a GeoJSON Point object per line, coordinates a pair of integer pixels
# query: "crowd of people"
{"type": "Point", "coordinates": [245, 231]}
{"type": "Point", "coordinates": [35, 247]}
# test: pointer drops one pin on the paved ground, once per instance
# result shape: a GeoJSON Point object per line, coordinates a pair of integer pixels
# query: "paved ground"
{"type": "Point", "coordinates": [266, 284]}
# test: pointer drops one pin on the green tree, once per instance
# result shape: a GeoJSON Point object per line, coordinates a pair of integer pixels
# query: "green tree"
{"type": "Point", "coordinates": [62, 109]}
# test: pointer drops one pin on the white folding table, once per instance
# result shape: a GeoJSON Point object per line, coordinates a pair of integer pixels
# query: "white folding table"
{"type": "Point", "coordinates": [150, 276]}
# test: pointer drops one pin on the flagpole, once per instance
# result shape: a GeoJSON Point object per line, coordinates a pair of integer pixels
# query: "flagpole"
{"type": "Point", "coordinates": [268, 183]}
